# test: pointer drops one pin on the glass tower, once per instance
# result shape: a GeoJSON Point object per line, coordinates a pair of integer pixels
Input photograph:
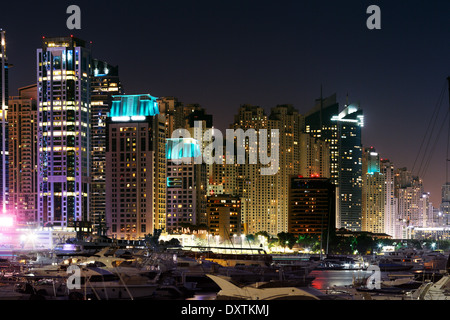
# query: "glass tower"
{"type": "Point", "coordinates": [349, 124]}
{"type": "Point", "coordinates": [104, 84]}
{"type": "Point", "coordinates": [63, 75]}
{"type": "Point", "coordinates": [4, 125]}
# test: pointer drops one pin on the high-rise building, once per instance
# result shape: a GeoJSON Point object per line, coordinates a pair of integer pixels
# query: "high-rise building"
{"type": "Point", "coordinates": [4, 179]}
{"type": "Point", "coordinates": [409, 193]}
{"type": "Point", "coordinates": [373, 193]}
{"type": "Point", "coordinates": [314, 157]}
{"type": "Point", "coordinates": [265, 197]}
{"type": "Point", "coordinates": [312, 204]}
{"type": "Point", "coordinates": [445, 203]}
{"type": "Point", "coordinates": [349, 123]}
{"type": "Point", "coordinates": [289, 123]}
{"type": "Point", "coordinates": [391, 202]}
{"type": "Point", "coordinates": [259, 210]}
{"type": "Point", "coordinates": [63, 74]}
{"type": "Point", "coordinates": [319, 125]}
{"type": "Point", "coordinates": [224, 216]}
{"type": "Point", "coordinates": [23, 154]}
{"type": "Point", "coordinates": [105, 83]}
{"type": "Point", "coordinates": [174, 112]}
{"type": "Point", "coordinates": [136, 167]}
{"type": "Point", "coordinates": [186, 184]}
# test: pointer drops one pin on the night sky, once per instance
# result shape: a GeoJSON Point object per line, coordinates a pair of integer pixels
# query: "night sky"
{"type": "Point", "coordinates": [222, 54]}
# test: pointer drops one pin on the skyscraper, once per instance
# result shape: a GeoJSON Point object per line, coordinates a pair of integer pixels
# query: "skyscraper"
{"type": "Point", "coordinates": [105, 83]}
{"type": "Point", "coordinates": [373, 193]}
{"type": "Point", "coordinates": [186, 183]}
{"type": "Point", "coordinates": [288, 122]}
{"type": "Point", "coordinates": [409, 191]}
{"type": "Point", "coordinates": [391, 202]}
{"type": "Point", "coordinates": [23, 155]}
{"type": "Point", "coordinates": [319, 125]}
{"type": "Point", "coordinates": [63, 75]}
{"type": "Point", "coordinates": [136, 167]}
{"type": "Point", "coordinates": [312, 204]}
{"type": "Point", "coordinates": [445, 203]}
{"type": "Point", "coordinates": [349, 123]}
{"type": "Point", "coordinates": [259, 210]}
{"type": "Point", "coordinates": [4, 179]}
{"type": "Point", "coordinates": [224, 216]}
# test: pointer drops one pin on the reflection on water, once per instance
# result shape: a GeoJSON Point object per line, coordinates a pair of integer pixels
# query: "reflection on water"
{"type": "Point", "coordinates": [204, 296]}
{"type": "Point", "coordinates": [327, 278]}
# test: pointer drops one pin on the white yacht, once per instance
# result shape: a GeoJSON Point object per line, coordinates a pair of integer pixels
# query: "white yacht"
{"type": "Point", "coordinates": [439, 290]}
{"type": "Point", "coordinates": [229, 291]}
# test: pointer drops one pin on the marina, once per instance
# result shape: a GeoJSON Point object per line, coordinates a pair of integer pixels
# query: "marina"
{"type": "Point", "coordinates": [142, 273]}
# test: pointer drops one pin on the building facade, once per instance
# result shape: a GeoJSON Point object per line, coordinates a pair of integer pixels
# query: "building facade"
{"type": "Point", "coordinates": [312, 204]}
{"type": "Point", "coordinates": [23, 155]}
{"type": "Point", "coordinates": [224, 216]}
{"type": "Point", "coordinates": [349, 123]}
{"type": "Point", "coordinates": [63, 74]}
{"type": "Point", "coordinates": [4, 161]}
{"type": "Point", "coordinates": [186, 184]}
{"type": "Point", "coordinates": [105, 83]}
{"type": "Point", "coordinates": [373, 193]}
{"type": "Point", "coordinates": [136, 167]}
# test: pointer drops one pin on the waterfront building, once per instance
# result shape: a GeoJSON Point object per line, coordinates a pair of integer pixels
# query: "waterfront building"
{"type": "Point", "coordinates": [445, 203]}
{"type": "Point", "coordinates": [258, 208]}
{"type": "Point", "coordinates": [186, 184]}
{"type": "Point", "coordinates": [391, 201]}
{"type": "Point", "coordinates": [349, 123]}
{"type": "Point", "coordinates": [312, 202]}
{"type": "Point", "coordinates": [105, 83]}
{"type": "Point", "coordinates": [224, 216]}
{"type": "Point", "coordinates": [63, 74]}
{"type": "Point", "coordinates": [289, 123]}
{"type": "Point", "coordinates": [314, 157]}
{"type": "Point", "coordinates": [319, 125]}
{"type": "Point", "coordinates": [136, 167]}
{"type": "Point", "coordinates": [373, 193]}
{"type": "Point", "coordinates": [409, 194]}
{"type": "Point", "coordinates": [23, 154]}
{"type": "Point", "coordinates": [4, 161]}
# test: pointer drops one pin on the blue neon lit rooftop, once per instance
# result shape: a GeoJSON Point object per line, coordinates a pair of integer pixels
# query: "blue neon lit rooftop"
{"type": "Point", "coordinates": [179, 148]}
{"type": "Point", "coordinates": [141, 105]}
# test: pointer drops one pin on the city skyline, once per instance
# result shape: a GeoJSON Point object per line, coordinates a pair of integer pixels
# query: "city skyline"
{"type": "Point", "coordinates": [268, 55]}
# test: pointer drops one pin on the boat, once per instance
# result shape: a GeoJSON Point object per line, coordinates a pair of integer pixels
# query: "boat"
{"type": "Point", "coordinates": [389, 264]}
{"type": "Point", "coordinates": [93, 283]}
{"type": "Point", "coordinates": [439, 290]}
{"type": "Point", "coordinates": [230, 291]}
